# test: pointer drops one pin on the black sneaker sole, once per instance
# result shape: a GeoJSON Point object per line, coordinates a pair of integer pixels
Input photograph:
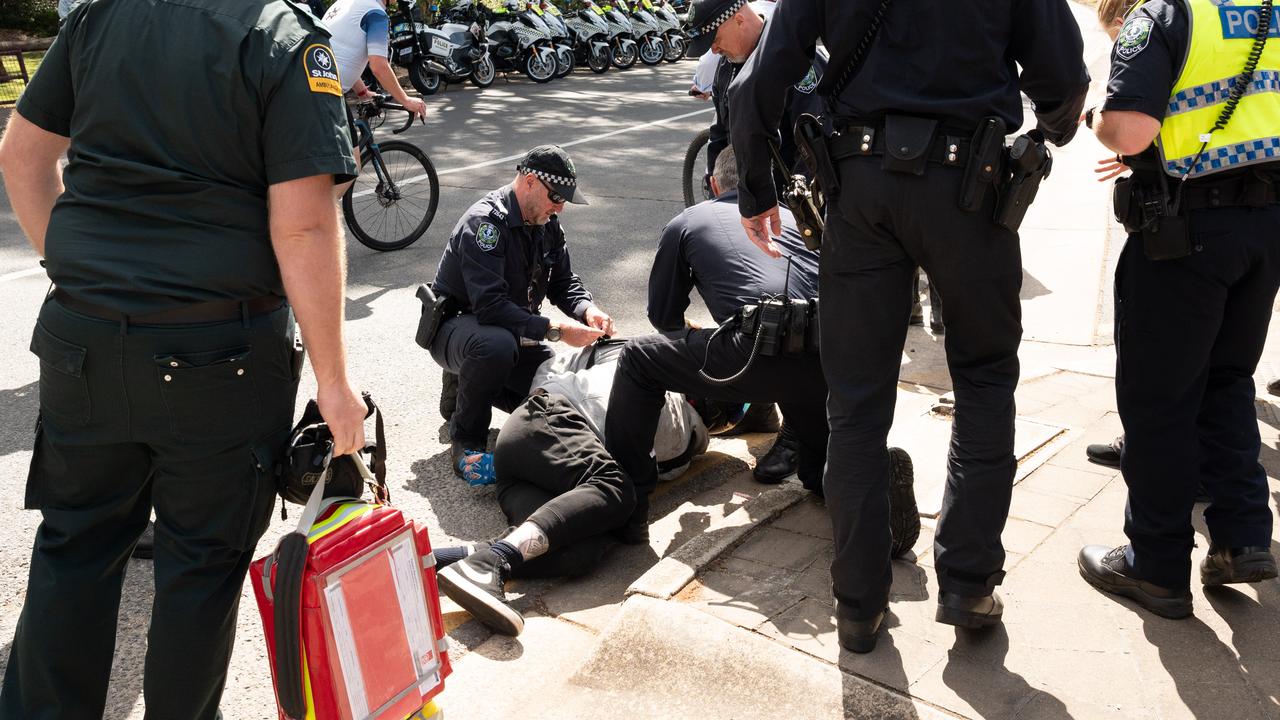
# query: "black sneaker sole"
{"type": "Point", "coordinates": [1247, 570]}
{"type": "Point", "coordinates": [499, 616]}
{"type": "Point", "coordinates": [904, 518]}
{"type": "Point", "coordinates": [965, 619]}
{"type": "Point", "coordinates": [1172, 608]}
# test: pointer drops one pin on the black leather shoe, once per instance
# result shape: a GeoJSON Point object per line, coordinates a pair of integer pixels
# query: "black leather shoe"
{"type": "Point", "coordinates": [904, 514]}
{"type": "Point", "coordinates": [1106, 454]}
{"type": "Point", "coordinates": [1108, 570]}
{"type": "Point", "coordinates": [1237, 565]}
{"type": "Point", "coordinates": [146, 547]}
{"type": "Point", "coordinates": [448, 394]}
{"type": "Point", "coordinates": [969, 612]}
{"type": "Point", "coordinates": [636, 530]}
{"type": "Point", "coordinates": [855, 635]}
{"type": "Point", "coordinates": [782, 460]}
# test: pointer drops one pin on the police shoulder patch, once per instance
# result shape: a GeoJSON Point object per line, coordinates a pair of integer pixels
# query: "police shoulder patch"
{"type": "Point", "coordinates": [322, 69]}
{"type": "Point", "coordinates": [487, 236]}
{"type": "Point", "coordinates": [1134, 37]}
{"type": "Point", "coordinates": [809, 82]}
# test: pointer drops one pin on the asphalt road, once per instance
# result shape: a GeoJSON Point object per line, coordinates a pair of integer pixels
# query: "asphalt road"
{"type": "Point", "coordinates": [627, 133]}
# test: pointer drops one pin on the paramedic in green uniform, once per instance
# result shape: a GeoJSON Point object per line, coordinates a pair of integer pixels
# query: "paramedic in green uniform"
{"type": "Point", "coordinates": [198, 196]}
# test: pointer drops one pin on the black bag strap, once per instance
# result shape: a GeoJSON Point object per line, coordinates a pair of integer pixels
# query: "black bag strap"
{"type": "Point", "coordinates": [854, 63]}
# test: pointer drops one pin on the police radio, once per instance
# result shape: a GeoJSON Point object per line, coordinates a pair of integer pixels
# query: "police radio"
{"type": "Point", "coordinates": [778, 325]}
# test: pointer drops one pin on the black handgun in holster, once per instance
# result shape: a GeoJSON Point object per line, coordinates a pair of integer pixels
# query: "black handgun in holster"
{"type": "Point", "coordinates": [1153, 211]}
{"type": "Point", "coordinates": [799, 198]}
{"type": "Point", "coordinates": [435, 310]}
{"type": "Point", "coordinates": [1029, 163]}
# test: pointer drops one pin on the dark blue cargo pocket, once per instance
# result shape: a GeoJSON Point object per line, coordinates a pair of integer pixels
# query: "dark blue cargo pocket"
{"type": "Point", "coordinates": [64, 391]}
{"type": "Point", "coordinates": [210, 396]}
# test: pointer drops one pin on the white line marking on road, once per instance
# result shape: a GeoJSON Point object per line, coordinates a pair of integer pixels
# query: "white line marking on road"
{"type": "Point", "coordinates": [21, 274]}
{"type": "Point", "coordinates": [571, 143]}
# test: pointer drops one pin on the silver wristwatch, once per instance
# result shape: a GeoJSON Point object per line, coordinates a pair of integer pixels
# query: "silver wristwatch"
{"type": "Point", "coordinates": [553, 334]}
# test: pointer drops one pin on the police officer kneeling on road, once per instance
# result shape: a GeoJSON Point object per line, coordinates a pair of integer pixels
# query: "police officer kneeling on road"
{"type": "Point", "coordinates": [921, 94]}
{"type": "Point", "coordinates": [1195, 288]}
{"type": "Point", "coordinates": [705, 247]}
{"type": "Point", "coordinates": [505, 256]}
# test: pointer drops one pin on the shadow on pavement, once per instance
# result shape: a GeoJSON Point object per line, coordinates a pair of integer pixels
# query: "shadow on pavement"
{"type": "Point", "coordinates": [18, 409]}
{"type": "Point", "coordinates": [891, 673]}
{"type": "Point", "coordinates": [975, 670]}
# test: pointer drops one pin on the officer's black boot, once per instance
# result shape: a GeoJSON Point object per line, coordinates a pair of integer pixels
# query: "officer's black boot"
{"type": "Point", "coordinates": [1224, 566]}
{"type": "Point", "coordinates": [904, 514]}
{"type": "Point", "coordinates": [1108, 569]}
{"type": "Point", "coordinates": [759, 418]}
{"type": "Point", "coordinates": [781, 461]}
{"type": "Point", "coordinates": [636, 530]}
{"type": "Point", "coordinates": [857, 635]}
{"type": "Point", "coordinates": [972, 612]}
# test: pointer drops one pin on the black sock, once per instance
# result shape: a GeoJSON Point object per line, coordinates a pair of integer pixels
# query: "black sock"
{"type": "Point", "coordinates": [508, 552]}
{"type": "Point", "coordinates": [447, 556]}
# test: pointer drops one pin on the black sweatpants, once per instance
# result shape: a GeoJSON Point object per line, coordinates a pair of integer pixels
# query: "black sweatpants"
{"type": "Point", "coordinates": [879, 230]}
{"type": "Point", "coordinates": [555, 473]}
{"type": "Point", "coordinates": [650, 366]}
{"type": "Point", "coordinates": [188, 420]}
{"type": "Point", "coordinates": [1189, 333]}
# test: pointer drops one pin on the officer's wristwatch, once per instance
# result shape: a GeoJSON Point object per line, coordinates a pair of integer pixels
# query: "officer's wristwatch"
{"type": "Point", "coordinates": [553, 334]}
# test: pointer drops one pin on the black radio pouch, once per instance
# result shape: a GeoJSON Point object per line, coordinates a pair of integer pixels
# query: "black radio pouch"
{"type": "Point", "coordinates": [1154, 214]}
{"type": "Point", "coordinates": [906, 143]}
{"type": "Point", "coordinates": [811, 142]}
{"type": "Point", "coordinates": [986, 160]}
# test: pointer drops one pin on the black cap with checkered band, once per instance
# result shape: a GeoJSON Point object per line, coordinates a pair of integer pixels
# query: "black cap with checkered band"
{"type": "Point", "coordinates": [705, 17]}
{"type": "Point", "coordinates": [551, 164]}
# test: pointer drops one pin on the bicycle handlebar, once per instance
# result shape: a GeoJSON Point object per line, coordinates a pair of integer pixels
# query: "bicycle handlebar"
{"type": "Point", "coordinates": [382, 102]}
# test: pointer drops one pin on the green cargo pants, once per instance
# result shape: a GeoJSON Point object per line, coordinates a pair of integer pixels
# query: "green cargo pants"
{"type": "Point", "coordinates": [188, 420]}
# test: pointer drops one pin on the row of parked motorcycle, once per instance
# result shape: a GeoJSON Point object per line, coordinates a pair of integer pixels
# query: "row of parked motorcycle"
{"type": "Point", "coordinates": [474, 40]}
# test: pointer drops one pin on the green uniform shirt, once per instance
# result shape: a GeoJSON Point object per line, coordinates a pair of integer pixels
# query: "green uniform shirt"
{"type": "Point", "coordinates": [180, 114]}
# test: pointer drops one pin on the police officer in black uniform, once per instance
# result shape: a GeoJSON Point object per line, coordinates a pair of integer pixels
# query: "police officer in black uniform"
{"type": "Point", "coordinates": [732, 29]}
{"type": "Point", "coordinates": [908, 123]}
{"type": "Point", "coordinates": [506, 255]}
{"type": "Point", "coordinates": [1195, 288]}
{"type": "Point", "coordinates": [167, 362]}
{"type": "Point", "coordinates": [705, 247]}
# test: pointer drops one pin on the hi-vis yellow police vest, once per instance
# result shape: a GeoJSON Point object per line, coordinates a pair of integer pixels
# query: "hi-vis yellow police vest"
{"type": "Point", "coordinates": [1221, 38]}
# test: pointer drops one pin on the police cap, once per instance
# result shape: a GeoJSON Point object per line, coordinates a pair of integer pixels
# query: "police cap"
{"type": "Point", "coordinates": [705, 17]}
{"type": "Point", "coordinates": [551, 164]}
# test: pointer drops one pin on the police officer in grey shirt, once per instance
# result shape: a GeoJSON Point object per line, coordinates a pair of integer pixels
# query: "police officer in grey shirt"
{"type": "Point", "coordinates": [706, 248]}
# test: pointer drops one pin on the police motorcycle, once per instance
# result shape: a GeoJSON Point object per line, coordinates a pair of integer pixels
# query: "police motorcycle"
{"type": "Point", "coordinates": [590, 33]}
{"type": "Point", "coordinates": [621, 35]}
{"type": "Point", "coordinates": [451, 52]}
{"type": "Point", "coordinates": [517, 44]}
{"type": "Point", "coordinates": [672, 30]}
{"type": "Point", "coordinates": [560, 39]}
{"type": "Point", "coordinates": [649, 40]}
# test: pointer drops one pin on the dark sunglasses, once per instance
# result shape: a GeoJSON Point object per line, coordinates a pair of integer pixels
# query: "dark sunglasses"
{"type": "Point", "coordinates": [552, 195]}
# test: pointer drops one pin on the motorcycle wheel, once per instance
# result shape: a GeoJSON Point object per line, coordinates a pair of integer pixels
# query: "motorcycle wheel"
{"type": "Point", "coordinates": [484, 73]}
{"type": "Point", "coordinates": [652, 51]}
{"type": "Point", "coordinates": [623, 59]}
{"type": "Point", "coordinates": [599, 60]}
{"type": "Point", "coordinates": [675, 48]}
{"type": "Point", "coordinates": [422, 79]}
{"type": "Point", "coordinates": [695, 162]}
{"type": "Point", "coordinates": [538, 70]}
{"type": "Point", "coordinates": [564, 62]}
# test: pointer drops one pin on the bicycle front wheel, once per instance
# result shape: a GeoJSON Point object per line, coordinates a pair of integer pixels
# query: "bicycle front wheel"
{"type": "Point", "coordinates": [394, 200]}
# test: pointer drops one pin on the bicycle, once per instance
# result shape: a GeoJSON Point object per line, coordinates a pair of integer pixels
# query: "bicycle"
{"type": "Point", "coordinates": [691, 174]}
{"type": "Point", "coordinates": [383, 208]}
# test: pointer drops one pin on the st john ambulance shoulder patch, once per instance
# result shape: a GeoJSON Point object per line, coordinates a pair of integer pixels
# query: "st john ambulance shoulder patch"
{"type": "Point", "coordinates": [487, 236]}
{"type": "Point", "coordinates": [322, 70]}
{"type": "Point", "coordinates": [1133, 37]}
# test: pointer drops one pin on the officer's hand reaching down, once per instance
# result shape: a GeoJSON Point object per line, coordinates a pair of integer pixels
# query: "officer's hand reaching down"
{"type": "Point", "coordinates": [579, 335]}
{"type": "Point", "coordinates": [600, 320]}
{"type": "Point", "coordinates": [344, 411]}
{"type": "Point", "coordinates": [763, 228]}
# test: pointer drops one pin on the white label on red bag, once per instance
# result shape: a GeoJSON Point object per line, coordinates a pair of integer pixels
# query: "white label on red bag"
{"type": "Point", "coordinates": [413, 606]}
{"type": "Point", "coordinates": [347, 656]}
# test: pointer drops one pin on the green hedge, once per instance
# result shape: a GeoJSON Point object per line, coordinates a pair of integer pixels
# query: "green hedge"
{"type": "Point", "coordinates": [34, 17]}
